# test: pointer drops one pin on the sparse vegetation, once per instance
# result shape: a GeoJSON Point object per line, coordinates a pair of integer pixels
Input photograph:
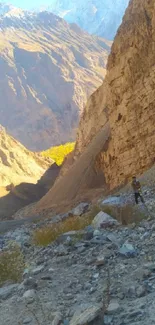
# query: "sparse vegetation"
{"type": "Point", "coordinates": [48, 234]}
{"type": "Point", "coordinates": [11, 264]}
{"type": "Point", "coordinates": [94, 211]}
{"type": "Point", "coordinates": [126, 214]}
{"type": "Point", "coordinates": [59, 153]}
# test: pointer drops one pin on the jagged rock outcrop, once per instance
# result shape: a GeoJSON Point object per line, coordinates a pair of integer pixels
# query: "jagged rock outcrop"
{"type": "Point", "coordinates": [48, 70]}
{"type": "Point", "coordinates": [116, 137]}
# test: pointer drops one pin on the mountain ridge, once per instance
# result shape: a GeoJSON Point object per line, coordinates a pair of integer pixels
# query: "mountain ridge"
{"type": "Point", "coordinates": [17, 164]}
{"type": "Point", "coordinates": [100, 18]}
{"type": "Point", "coordinates": [49, 68]}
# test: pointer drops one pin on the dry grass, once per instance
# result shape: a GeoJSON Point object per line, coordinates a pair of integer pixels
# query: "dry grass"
{"type": "Point", "coordinates": [126, 214]}
{"type": "Point", "coordinates": [11, 264]}
{"type": "Point", "coordinates": [49, 234]}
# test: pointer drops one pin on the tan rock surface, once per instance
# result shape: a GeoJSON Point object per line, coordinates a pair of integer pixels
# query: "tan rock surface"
{"type": "Point", "coordinates": [17, 164]}
{"type": "Point", "coordinates": [127, 97]}
{"type": "Point", "coordinates": [48, 70]}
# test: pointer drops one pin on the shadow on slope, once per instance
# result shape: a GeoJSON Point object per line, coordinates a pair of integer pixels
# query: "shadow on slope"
{"type": "Point", "coordinates": [13, 198]}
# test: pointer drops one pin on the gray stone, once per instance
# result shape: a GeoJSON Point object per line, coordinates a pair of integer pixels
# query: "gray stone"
{"type": "Point", "coordinates": [51, 270]}
{"type": "Point", "coordinates": [102, 220]}
{"type": "Point", "coordinates": [113, 308]}
{"type": "Point", "coordinates": [100, 260]}
{"type": "Point", "coordinates": [87, 316]}
{"type": "Point", "coordinates": [96, 275]}
{"type": "Point", "coordinates": [27, 320]}
{"type": "Point", "coordinates": [30, 283]}
{"type": "Point", "coordinates": [112, 200]}
{"type": "Point", "coordinates": [97, 233]}
{"type": "Point", "coordinates": [61, 250]}
{"type": "Point", "coordinates": [121, 295]}
{"type": "Point", "coordinates": [7, 292]}
{"type": "Point", "coordinates": [92, 290]}
{"type": "Point", "coordinates": [81, 249]}
{"type": "Point", "coordinates": [29, 296]}
{"type": "Point", "coordinates": [128, 250]}
{"type": "Point", "coordinates": [38, 269]}
{"type": "Point", "coordinates": [69, 296]}
{"type": "Point", "coordinates": [46, 277]}
{"type": "Point", "coordinates": [80, 209]}
{"type": "Point", "coordinates": [113, 239]}
{"type": "Point", "coordinates": [69, 236]}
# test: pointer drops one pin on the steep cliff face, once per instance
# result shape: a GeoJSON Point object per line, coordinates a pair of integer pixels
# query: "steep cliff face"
{"type": "Point", "coordinates": [126, 99]}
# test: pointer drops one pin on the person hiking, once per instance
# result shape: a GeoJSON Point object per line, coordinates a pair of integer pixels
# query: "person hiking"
{"type": "Point", "coordinates": [137, 189]}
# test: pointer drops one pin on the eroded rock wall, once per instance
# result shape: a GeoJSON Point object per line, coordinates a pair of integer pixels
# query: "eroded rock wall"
{"type": "Point", "coordinates": [126, 99]}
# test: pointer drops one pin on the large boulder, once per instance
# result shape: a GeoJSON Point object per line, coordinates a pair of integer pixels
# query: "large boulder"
{"type": "Point", "coordinates": [104, 220]}
{"type": "Point", "coordinates": [113, 201]}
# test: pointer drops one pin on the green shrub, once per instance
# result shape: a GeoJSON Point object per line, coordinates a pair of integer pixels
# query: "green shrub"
{"type": "Point", "coordinates": [59, 153]}
{"type": "Point", "coordinates": [11, 264]}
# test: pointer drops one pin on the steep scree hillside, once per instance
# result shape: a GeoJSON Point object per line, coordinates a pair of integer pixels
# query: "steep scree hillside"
{"type": "Point", "coordinates": [48, 69]}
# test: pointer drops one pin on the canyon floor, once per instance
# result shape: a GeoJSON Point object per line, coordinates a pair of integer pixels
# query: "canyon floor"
{"type": "Point", "coordinates": [101, 275]}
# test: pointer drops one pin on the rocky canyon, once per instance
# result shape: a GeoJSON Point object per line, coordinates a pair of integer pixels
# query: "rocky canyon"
{"type": "Point", "coordinates": [116, 134]}
{"type": "Point", "coordinates": [81, 252]}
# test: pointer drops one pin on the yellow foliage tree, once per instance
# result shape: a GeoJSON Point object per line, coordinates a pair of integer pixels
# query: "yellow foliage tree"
{"type": "Point", "coordinates": [59, 153]}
